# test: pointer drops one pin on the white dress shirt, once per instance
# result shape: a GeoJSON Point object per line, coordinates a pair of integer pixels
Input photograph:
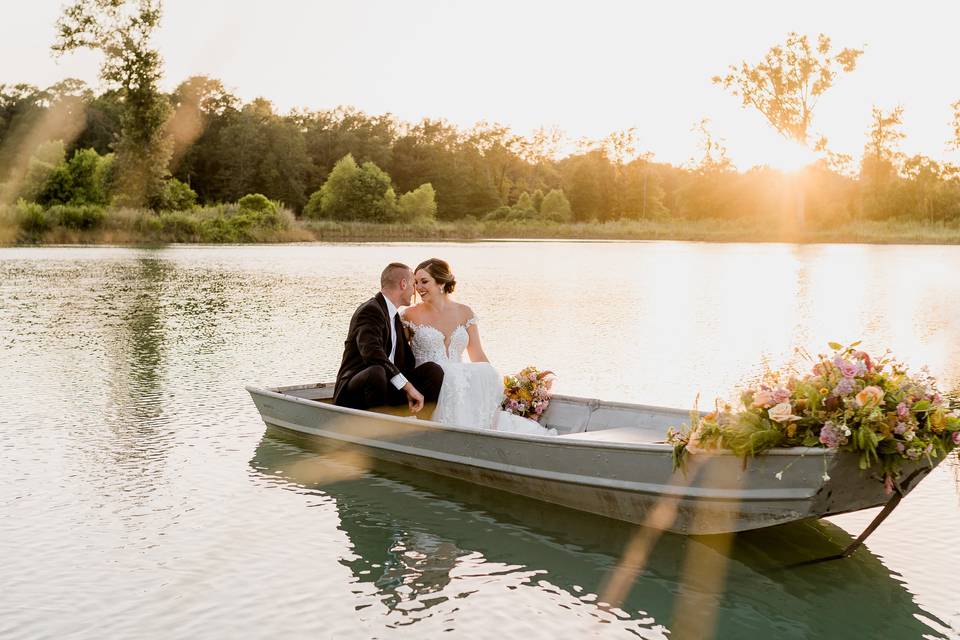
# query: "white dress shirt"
{"type": "Point", "coordinates": [398, 381]}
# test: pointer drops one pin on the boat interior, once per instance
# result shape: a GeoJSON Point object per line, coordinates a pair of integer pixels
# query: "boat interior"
{"type": "Point", "coordinates": [572, 417]}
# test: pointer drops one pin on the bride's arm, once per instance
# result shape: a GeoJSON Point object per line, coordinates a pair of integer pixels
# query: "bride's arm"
{"type": "Point", "coordinates": [474, 348]}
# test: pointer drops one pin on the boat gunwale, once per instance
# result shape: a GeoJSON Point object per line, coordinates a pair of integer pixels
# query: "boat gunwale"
{"type": "Point", "coordinates": [652, 447]}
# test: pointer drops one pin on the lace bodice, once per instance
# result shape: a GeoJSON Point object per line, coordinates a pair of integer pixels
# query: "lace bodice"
{"type": "Point", "coordinates": [429, 344]}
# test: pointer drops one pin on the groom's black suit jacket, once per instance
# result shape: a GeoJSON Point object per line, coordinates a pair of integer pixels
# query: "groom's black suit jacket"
{"type": "Point", "coordinates": [368, 343]}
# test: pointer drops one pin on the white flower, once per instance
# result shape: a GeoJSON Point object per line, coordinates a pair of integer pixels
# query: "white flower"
{"type": "Point", "coordinates": [908, 436]}
{"type": "Point", "coordinates": [779, 475]}
{"type": "Point", "coordinates": [782, 412]}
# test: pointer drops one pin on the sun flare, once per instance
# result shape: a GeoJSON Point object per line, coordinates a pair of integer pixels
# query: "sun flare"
{"type": "Point", "coordinates": [789, 156]}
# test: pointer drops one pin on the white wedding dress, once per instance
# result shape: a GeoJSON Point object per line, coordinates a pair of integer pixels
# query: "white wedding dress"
{"type": "Point", "coordinates": [472, 391]}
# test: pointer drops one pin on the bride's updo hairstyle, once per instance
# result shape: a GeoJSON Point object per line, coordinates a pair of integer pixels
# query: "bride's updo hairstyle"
{"type": "Point", "coordinates": [439, 270]}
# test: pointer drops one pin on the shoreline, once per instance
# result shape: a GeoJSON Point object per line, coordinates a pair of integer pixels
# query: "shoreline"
{"type": "Point", "coordinates": [906, 232]}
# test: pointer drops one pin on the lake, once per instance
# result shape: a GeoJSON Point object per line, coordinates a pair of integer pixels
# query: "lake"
{"type": "Point", "coordinates": [143, 497]}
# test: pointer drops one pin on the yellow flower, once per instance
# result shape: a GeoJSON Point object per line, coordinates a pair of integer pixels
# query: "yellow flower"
{"type": "Point", "coordinates": [937, 421]}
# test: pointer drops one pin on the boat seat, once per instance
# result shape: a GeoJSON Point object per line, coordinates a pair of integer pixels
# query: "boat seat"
{"type": "Point", "coordinates": [566, 416]}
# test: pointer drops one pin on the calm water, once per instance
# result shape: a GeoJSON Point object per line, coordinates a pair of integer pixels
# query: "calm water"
{"type": "Point", "coordinates": [142, 497]}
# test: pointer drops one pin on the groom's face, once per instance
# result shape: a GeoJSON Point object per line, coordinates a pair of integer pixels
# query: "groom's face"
{"type": "Point", "coordinates": [406, 289]}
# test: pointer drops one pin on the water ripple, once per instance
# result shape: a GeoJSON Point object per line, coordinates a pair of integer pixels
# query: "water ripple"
{"type": "Point", "coordinates": [142, 496]}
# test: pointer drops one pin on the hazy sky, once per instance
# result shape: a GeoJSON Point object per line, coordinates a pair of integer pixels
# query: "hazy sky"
{"type": "Point", "coordinates": [588, 67]}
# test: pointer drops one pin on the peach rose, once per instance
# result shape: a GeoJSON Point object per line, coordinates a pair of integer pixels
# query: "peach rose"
{"type": "Point", "coordinates": [870, 396]}
{"type": "Point", "coordinates": [782, 412]}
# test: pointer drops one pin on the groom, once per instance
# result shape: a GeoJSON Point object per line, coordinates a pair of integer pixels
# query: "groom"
{"type": "Point", "coordinates": [378, 365]}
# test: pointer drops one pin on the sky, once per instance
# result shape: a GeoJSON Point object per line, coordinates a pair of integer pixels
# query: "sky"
{"type": "Point", "coordinates": [589, 68]}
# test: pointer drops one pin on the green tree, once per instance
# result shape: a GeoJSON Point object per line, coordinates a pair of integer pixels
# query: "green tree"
{"type": "Point", "coordinates": [537, 198]}
{"type": "Point", "coordinates": [930, 190]}
{"type": "Point", "coordinates": [880, 166]}
{"type": "Point", "coordinates": [121, 30]}
{"type": "Point", "coordinates": [525, 203]}
{"type": "Point", "coordinates": [333, 198]}
{"type": "Point", "coordinates": [419, 204]}
{"type": "Point", "coordinates": [556, 207]}
{"type": "Point", "coordinates": [176, 196]}
{"type": "Point", "coordinates": [31, 117]}
{"type": "Point", "coordinates": [589, 180]}
{"type": "Point", "coordinates": [354, 192]}
{"type": "Point", "coordinates": [787, 84]}
{"type": "Point", "coordinates": [88, 177]}
{"type": "Point", "coordinates": [641, 192]}
{"type": "Point", "coordinates": [257, 151]}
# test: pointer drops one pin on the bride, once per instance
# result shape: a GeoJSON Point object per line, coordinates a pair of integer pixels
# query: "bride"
{"type": "Point", "coordinates": [442, 330]}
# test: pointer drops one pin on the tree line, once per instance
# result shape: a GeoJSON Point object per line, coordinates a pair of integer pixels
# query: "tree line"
{"type": "Point", "coordinates": [135, 145]}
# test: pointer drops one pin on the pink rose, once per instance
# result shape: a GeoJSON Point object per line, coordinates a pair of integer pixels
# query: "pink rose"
{"type": "Point", "coordinates": [763, 398]}
{"type": "Point", "coordinates": [780, 394]}
{"type": "Point", "coordinates": [848, 369]}
{"type": "Point", "coordinates": [956, 437]}
{"type": "Point", "coordinates": [869, 396]}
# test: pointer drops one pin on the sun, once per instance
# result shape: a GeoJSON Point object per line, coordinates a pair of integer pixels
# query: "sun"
{"type": "Point", "coordinates": [788, 156]}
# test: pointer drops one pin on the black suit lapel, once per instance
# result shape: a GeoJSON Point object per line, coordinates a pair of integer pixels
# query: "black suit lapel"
{"type": "Point", "coordinates": [402, 349]}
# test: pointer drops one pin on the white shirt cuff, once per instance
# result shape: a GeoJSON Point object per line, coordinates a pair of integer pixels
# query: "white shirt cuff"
{"type": "Point", "coordinates": [398, 381]}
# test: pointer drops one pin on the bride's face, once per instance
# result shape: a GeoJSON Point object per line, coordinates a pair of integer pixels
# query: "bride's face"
{"type": "Point", "coordinates": [427, 287]}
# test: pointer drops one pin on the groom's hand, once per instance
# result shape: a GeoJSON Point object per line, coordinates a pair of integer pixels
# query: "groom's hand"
{"type": "Point", "coordinates": [414, 398]}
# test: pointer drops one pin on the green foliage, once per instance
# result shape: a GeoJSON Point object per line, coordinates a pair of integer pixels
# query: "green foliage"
{"type": "Point", "coordinates": [87, 171]}
{"type": "Point", "coordinates": [419, 204]}
{"type": "Point", "coordinates": [525, 203]}
{"type": "Point", "coordinates": [354, 192]}
{"type": "Point", "coordinates": [334, 195]}
{"type": "Point", "coordinates": [314, 207]}
{"type": "Point", "coordinates": [122, 31]}
{"type": "Point", "coordinates": [176, 196]}
{"type": "Point", "coordinates": [81, 217]}
{"type": "Point", "coordinates": [31, 218]}
{"type": "Point", "coordinates": [511, 214]}
{"type": "Point", "coordinates": [179, 226]}
{"type": "Point", "coordinates": [556, 207]}
{"type": "Point", "coordinates": [257, 202]}
{"type": "Point", "coordinates": [81, 180]}
{"type": "Point", "coordinates": [58, 188]}
{"type": "Point", "coordinates": [537, 199]}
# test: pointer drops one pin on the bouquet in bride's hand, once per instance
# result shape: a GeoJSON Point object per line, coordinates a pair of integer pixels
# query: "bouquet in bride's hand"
{"type": "Point", "coordinates": [527, 393]}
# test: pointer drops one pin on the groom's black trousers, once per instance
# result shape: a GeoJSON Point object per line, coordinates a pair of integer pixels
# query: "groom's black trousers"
{"type": "Point", "coordinates": [371, 387]}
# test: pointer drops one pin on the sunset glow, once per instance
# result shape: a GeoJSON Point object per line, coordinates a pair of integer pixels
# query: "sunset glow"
{"type": "Point", "coordinates": [588, 69]}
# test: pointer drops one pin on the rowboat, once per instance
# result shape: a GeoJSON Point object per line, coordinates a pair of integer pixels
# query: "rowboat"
{"type": "Point", "coordinates": [609, 458]}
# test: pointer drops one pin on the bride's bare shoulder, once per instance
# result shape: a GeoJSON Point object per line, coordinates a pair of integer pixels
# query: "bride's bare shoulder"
{"type": "Point", "coordinates": [465, 313]}
{"type": "Point", "coordinates": [411, 314]}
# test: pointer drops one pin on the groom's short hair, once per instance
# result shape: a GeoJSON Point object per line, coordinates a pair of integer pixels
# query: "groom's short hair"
{"type": "Point", "coordinates": [393, 274]}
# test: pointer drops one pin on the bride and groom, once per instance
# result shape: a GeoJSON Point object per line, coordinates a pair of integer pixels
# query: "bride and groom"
{"type": "Point", "coordinates": [380, 367]}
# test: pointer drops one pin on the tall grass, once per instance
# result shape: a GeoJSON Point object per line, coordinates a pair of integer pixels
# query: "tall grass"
{"type": "Point", "coordinates": [230, 223]}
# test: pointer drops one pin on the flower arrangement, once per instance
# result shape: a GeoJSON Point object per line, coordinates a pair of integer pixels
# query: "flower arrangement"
{"type": "Point", "coordinates": [849, 402]}
{"type": "Point", "coordinates": [527, 393]}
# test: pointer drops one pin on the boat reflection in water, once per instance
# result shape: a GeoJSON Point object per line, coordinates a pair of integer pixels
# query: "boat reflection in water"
{"type": "Point", "coordinates": [422, 543]}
